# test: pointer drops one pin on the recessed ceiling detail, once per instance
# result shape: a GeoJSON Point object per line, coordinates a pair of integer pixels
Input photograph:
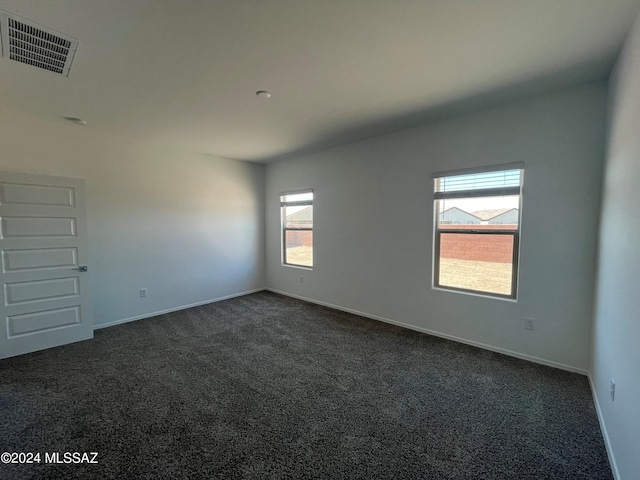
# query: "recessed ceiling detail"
{"type": "Point", "coordinates": [34, 45]}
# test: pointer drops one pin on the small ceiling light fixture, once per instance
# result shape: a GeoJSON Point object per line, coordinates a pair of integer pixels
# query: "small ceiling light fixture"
{"type": "Point", "coordinates": [263, 94]}
{"type": "Point", "coordinates": [76, 120]}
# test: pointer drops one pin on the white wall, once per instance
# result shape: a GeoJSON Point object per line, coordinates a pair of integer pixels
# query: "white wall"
{"type": "Point", "coordinates": [373, 219]}
{"type": "Point", "coordinates": [187, 227]}
{"type": "Point", "coordinates": [616, 335]}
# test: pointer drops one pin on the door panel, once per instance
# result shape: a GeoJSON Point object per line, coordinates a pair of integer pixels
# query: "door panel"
{"type": "Point", "coordinates": [45, 298]}
{"type": "Point", "coordinates": [26, 227]}
{"type": "Point", "coordinates": [39, 259]}
{"type": "Point", "coordinates": [20, 194]}
{"type": "Point", "coordinates": [41, 322]}
{"type": "Point", "coordinates": [22, 292]}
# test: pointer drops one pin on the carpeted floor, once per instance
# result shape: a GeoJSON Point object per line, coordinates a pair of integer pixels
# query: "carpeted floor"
{"type": "Point", "coordinates": [265, 386]}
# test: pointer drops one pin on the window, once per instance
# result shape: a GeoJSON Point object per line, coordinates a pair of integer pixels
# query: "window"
{"type": "Point", "coordinates": [477, 231]}
{"type": "Point", "coordinates": [297, 228]}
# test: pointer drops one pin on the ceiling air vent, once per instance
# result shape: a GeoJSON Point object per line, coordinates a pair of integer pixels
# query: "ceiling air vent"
{"type": "Point", "coordinates": [34, 45]}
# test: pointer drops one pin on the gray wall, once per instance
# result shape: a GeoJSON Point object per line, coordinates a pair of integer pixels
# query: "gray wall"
{"type": "Point", "coordinates": [187, 227]}
{"type": "Point", "coordinates": [616, 335]}
{"type": "Point", "coordinates": [373, 217]}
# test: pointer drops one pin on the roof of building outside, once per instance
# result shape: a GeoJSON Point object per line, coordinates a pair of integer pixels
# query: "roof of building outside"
{"type": "Point", "coordinates": [460, 210]}
{"type": "Point", "coordinates": [304, 214]}
{"type": "Point", "coordinates": [489, 214]}
{"type": "Point", "coordinates": [482, 214]}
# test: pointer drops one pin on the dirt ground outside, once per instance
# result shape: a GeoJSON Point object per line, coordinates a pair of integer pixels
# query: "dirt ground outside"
{"type": "Point", "coordinates": [476, 275]}
{"type": "Point", "coordinates": [468, 274]}
{"type": "Point", "coordinates": [300, 256]}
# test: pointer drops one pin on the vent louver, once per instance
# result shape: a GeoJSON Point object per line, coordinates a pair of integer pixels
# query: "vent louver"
{"type": "Point", "coordinates": [29, 43]}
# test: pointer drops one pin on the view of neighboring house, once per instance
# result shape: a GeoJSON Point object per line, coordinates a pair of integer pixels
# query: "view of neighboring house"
{"type": "Point", "coordinates": [300, 238]}
{"type": "Point", "coordinates": [502, 216]}
{"type": "Point", "coordinates": [457, 216]}
{"type": "Point", "coordinates": [301, 218]}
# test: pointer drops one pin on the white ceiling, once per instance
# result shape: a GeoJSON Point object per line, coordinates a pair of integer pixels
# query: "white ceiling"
{"type": "Point", "coordinates": [184, 72]}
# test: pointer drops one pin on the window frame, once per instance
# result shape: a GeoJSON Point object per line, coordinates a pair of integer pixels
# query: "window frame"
{"type": "Point", "coordinates": [476, 193]}
{"type": "Point", "coordinates": [284, 229]}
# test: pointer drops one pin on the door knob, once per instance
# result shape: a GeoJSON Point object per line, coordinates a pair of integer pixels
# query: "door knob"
{"type": "Point", "coordinates": [82, 268]}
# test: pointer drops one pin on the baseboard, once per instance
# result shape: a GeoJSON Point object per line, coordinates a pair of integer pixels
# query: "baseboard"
{"type": "Point", "coordinates": [435, 333]}
{"type": "Point", "coordinates": [603, 429]}
{"type": "Point", "coordinates": [175, 309]}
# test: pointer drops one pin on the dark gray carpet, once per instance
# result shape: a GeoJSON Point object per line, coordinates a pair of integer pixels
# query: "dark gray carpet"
{"type": "Point", "coordinates": [265, 386]}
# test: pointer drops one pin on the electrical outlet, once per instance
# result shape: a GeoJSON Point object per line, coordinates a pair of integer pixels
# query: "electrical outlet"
{"type": "Point", "coordinates": [301, 279]}
{"type": "Point", "coordinates": [143, 292]}
{"type": "Point", "coordinates": [612, 391]}
{"type": "Point", "coordinates": [529, 324]}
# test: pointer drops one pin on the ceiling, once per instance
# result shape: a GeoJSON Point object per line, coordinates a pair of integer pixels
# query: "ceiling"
{"type": "Point", "coordinates": [184, 73]}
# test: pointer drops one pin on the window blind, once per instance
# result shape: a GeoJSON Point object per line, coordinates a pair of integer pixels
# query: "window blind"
{"type": "Point", "coordinates": [485, 184]}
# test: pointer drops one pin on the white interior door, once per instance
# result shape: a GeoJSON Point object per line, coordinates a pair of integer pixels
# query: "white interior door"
{"type": "Point", "coordinates": [43, 248]}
